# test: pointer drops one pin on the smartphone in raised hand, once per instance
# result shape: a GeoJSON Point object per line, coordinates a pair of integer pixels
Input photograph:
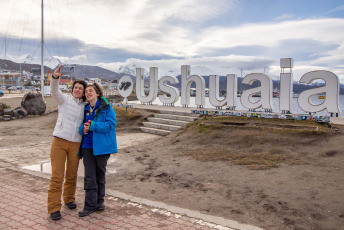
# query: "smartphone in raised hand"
{"type": "Point", "coordinates": [66, 70]}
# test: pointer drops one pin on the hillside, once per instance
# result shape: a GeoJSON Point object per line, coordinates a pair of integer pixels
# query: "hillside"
{"type": "Point", "coordinates": [87, 71]}
{"type": "Point", "coordinates": [81, 71]}
{"type": "Point", "coordinates": [14, 66]}
{"type": "Point", "coordinates": [275, 174]}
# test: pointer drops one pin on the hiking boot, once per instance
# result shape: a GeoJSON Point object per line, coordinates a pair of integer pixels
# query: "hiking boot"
{"type": "Point", "coordinates": [100, 207]}
{"type": "Point", "coordinates": [71, 205]}
{"type": "Point", "coordinates": [85, 212]}
{"type": "Point", "coordinates": [55, 215]}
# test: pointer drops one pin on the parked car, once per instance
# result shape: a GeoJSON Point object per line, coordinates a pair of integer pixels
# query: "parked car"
{"type": "Point", "coordinates": [12, 88]}
{"type": "Point", "coordinates": [2, 93]}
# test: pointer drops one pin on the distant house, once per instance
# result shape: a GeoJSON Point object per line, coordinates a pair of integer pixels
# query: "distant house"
{"type": "Point", "coordinates": [10, 79]}
{"type": "Point", "coordinates": [95, 80]}
{"type": "Point", "coordinates": [113, 86]}
{"type": "Point", "coordinates": [65, 82]}
{"type": "Point", "coordinates": [104, 83]}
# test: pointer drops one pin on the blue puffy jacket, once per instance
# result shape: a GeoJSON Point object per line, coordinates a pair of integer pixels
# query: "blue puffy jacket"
{"type": "Point", "coordinates": [104, 129]}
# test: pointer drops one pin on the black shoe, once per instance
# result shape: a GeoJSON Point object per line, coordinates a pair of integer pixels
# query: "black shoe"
{"type": "Point", "coordinates": [85, 212]}
{"type": "Point", "coordinates": [71, 205]}
{"type": "Point", "coordinates": [100, 207]}
{"type": "Point", "coordinates": [55, 215]}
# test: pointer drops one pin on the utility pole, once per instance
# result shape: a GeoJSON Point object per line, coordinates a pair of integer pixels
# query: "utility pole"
{"type": "Point", "coordinates": [42, 49]}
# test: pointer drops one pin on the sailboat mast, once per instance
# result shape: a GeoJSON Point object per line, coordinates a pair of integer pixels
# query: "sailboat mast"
{"type": "Point", "coordinates": [42, 48]}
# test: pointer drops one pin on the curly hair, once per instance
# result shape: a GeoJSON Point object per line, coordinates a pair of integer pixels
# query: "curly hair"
{"type": "Point", "coordinates": [82, 82]}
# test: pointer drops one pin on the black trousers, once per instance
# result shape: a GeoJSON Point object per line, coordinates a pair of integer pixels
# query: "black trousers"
{"type": "Point", "coordinates": [94, 181]}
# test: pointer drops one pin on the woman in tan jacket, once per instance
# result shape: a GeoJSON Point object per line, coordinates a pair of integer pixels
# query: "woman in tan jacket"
{"type": "Point", "coordinates": [65, 145]}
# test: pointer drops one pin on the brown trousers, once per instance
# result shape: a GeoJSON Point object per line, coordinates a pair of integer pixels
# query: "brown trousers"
{"type": "Point", "coordinates": [62, 150]}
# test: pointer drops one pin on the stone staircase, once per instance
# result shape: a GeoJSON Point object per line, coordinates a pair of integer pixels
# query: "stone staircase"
{"type": "Point", "coordinates": [164, 122]}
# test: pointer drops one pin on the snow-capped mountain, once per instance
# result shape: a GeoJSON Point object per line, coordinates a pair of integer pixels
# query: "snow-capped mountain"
{"type": "Point", "coordinates": [163, 71]}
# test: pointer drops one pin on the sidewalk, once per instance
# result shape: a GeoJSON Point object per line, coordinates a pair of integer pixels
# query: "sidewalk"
{"type": "Point", "coordinates": [24, 206]}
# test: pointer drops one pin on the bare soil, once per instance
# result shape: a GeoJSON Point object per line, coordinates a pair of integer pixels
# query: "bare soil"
{"type": "Point", "coordinates": [271, 174]}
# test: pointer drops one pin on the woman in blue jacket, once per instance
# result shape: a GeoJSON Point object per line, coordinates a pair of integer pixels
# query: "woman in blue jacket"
{"type": "Point", "coordinates": [99, 141]}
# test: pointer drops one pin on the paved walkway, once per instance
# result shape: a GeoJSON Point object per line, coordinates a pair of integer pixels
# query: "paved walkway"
{"type": "Point", "coordinates": [24, 199]}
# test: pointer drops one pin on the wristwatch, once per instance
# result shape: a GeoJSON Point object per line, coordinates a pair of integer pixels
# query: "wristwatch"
{"type": "Point", "coordinates": [55, 77]}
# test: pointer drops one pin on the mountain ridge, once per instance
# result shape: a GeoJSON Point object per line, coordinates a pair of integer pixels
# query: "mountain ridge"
{"type": "Point", "coordinates": [89, 71]}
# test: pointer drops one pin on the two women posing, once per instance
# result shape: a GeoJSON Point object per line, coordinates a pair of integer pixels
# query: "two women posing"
{"type": "Point", "coordinates": [87, 129]}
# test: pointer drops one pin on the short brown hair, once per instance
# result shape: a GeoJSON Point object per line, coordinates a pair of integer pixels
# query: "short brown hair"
{"type": "Point", "coordinates": [97, 88]}
{"type": "Point", "coordinates": [82, 82]}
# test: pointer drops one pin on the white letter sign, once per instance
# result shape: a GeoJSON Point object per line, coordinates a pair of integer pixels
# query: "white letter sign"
{"type": "Point", "coordinates": [231, 90]}
{"type": "Point", "coordinates": [186, 83]}
{"type": "Point", "coordinates": [265, 91]}
{"type": "Point", "coordinates": [153, 86]}
{"type": "Point", "coordinates": [172, 91]}
{"type": "Point", "coordinates": [331, 90]}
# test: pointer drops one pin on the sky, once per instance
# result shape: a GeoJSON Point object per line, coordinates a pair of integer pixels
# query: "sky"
{"type": "Point", "coordinates": [212, 36]}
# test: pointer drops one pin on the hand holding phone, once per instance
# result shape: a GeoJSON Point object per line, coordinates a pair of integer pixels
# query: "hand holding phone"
{"type": "Point", "coordinates": [66, 70]}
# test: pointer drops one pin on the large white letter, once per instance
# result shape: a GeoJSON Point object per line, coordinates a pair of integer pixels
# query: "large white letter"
{"type": "Point", "coordinates": [231, 96]}
{"type": "Point", "coordinates": [153, 85]}
{"type": "Point", "coordinates": [331, 89]}
{"type": "Point", "coordinates": [265, 91]}
{"type": "Point", "coordinates": [286, 85]}
{"type": "Point", "coordinates": [167, 89]}
{"type": "Point", "coordinates": [186, 83]}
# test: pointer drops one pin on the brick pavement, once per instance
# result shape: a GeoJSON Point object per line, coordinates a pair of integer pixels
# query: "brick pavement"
{"type": "Point", "coordinates": [23, 206]}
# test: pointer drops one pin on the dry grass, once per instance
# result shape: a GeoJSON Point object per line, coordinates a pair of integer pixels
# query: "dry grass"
{"type": "Point", "coordinates": [273, 158]}
{"type": "Point", "coordinates": [4, 106]}
{"type": "Point", "coordinates": [255, 143]}
{"type": "Point", "coordinates": [276, 125]}
{"type": "Point", "coordinates": [127, 113]}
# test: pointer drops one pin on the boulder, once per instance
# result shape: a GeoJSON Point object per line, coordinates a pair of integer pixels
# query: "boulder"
{"type": "Point", "coordinates": [33, 103]}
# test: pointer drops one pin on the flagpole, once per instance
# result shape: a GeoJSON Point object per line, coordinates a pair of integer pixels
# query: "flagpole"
{"type": "Point", "coordinates": [42, 48]}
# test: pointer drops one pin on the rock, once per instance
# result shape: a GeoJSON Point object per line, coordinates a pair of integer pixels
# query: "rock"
{"type": "Point", "coordinates": [33, 103]}
{"type": "Point", "coordinates": [8, 112]}
{"type": "Point", "coordinates": [6, 118]}
{"type": "Point", "coordinates": [19, 112]}
{"type": "Point", "coordinates": [15, 114]}
{"type": "Point", "coordinates": [22, 113]}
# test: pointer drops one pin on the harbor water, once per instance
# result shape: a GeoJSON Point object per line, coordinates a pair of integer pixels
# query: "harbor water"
{"type": "Point", "coordinates": [294, 110]}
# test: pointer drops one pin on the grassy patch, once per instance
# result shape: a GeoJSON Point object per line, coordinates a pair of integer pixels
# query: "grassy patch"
{"type": "Point", "coordinates": [307, 127]}
{"type": "Point", "coordinates": [273, 158]}
{"type": "Point", "coordinates": [4, 106]}
{"type": "Point", "coordinates": [127, 113]}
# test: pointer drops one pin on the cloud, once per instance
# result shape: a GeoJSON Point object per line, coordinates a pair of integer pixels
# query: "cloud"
{"type": "Point", "coordinates": [337, 9]}
{"type": "Point", "coordinates": [284, 17]}
{"type": "Point", "coordinates": [215, 65]}
{"type": "Point", "coordinates": [169, 34]}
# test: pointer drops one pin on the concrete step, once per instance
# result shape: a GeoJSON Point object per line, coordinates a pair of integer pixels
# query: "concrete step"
{"type": "Point", "coordinates": [180, 113]}
{"type": "Point", "coordinates": [175, 117]}
{"type": "Point", "coordinates": [161, 126]}
{"type": "Point", "coordinates": [167, 121]}
{"type": "Point", "coordinates": [155, 131]}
